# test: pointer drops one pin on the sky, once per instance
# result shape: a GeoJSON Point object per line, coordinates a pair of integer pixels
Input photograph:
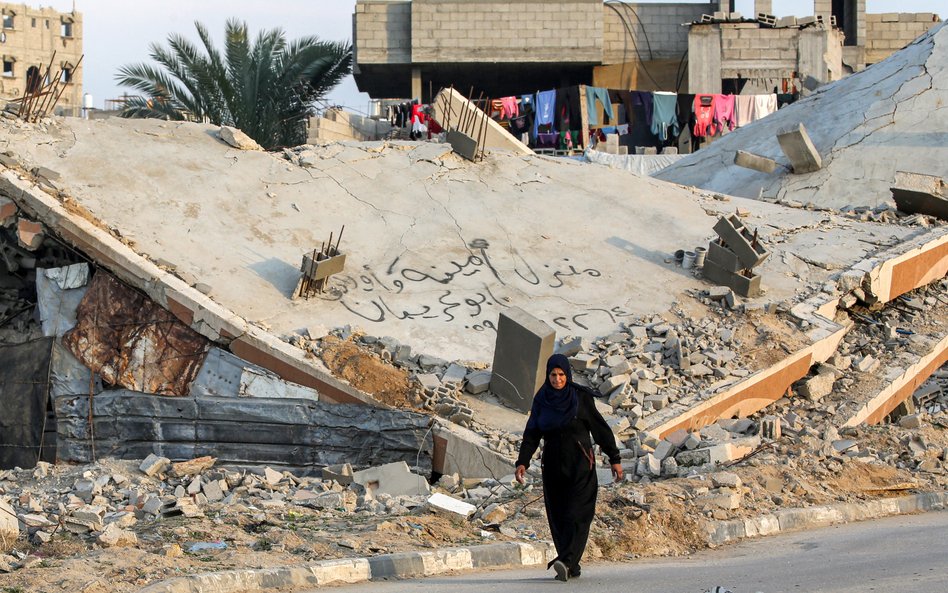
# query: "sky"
{"type": "Point", "coordinates": [119, 32]}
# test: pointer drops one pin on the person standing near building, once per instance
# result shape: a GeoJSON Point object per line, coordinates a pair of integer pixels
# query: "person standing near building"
{"type": "Point", "coordinates": [565, 418]}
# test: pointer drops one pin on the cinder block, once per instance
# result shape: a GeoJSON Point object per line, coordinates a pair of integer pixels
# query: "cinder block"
{"type": "Point", "coordinates": [741, 241]}
{"type": "Point", "coordinates": [755, 162]}
{"type": "Point", "coordinates": [523, 345]}
{"type": "Point", "coordinates": [723, 257]}
{"type": "Point", "coordinates": [745, 286]}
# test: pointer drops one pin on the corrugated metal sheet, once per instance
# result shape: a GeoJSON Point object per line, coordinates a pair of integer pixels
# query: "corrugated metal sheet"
{"type": "Point", "coordinates": [131, 341]}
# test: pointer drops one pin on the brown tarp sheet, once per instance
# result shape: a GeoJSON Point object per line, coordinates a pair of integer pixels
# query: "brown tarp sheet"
{"type": "Point", "coordinates": [24, 389]}
{"type": "Point", "coordinates": [131, 341]}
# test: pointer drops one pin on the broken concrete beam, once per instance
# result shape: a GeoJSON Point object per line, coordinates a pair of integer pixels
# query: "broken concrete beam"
{"type": "Point", "coordinates": [523, 345]}
{"type": "Point", "coordinates": [741, 241]}
{"type": "Point", "coordinates": [29, 234]}
{"type": "Point", "coordinates": [444, 504]}
{"type": "Point", "coordinates": [915, 193]}
{"type": "Point", "coordinates": [747, 287]}
{"type": "Point", "coordinates": [755, 162]}
{"type": "Point", "coordinates": [796, 144]}
{"type": "Point", "coordinates": [392, 478]}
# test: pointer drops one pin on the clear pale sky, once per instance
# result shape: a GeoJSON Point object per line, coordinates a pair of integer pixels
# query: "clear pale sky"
{"type": "Point", "coordinates": [118, 32]}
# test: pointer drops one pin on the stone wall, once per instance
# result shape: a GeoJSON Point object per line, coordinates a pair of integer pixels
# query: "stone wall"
{"type": "Point", "coordinates": [889, 32]}
{"type": "Point", "coordinates": [381, 31]}
{"type": "Point", "coordinates": [568, 31]}
{"type": "Point", "coordinates": [30, 35]}
{"type": "Point", "coordinates": [657, 31]}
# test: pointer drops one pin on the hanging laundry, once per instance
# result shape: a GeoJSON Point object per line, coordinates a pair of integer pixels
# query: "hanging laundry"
{"type": "Point", "coordinates": [743, 109]}
{"type": "Point", "coordinates": [546, 109]}
{"type": "Point", "coordinates": [724, 112]}
{"type": "Point", "coordinates": [509, 107]}
{"type": "Point", "coordinates": [703, 109]}
{"type": "Point", "coordinates": [592, 94]}
{"type": "Point", "coordinates": [764, 105]}
{"type": "Point", "coordinates": [664, 115]}
{"type": "Point", "coordinates": [622, 129]}
{"type": "Point", "coordinates": [568, 114]}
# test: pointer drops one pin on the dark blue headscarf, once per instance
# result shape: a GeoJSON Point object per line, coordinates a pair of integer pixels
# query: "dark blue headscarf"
{"type": "Point", "coordinates": [554, 408]}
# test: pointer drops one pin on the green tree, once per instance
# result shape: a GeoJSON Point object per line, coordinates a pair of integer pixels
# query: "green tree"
{"type": "Point", "coordinates": [266, 88]}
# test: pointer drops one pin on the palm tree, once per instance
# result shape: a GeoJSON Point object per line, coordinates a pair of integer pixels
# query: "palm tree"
{"type": "Point", "coordinates": [265, 88]}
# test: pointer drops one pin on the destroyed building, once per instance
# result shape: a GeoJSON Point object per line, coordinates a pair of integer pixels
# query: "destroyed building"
{"type": "Point", "coordinates": [38, 42]}
{"type": "Point", "coordinates": [156, 320]}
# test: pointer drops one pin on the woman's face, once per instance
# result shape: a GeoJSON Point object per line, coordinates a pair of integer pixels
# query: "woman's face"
{"type": "Point", "coordinates": [557, 378]}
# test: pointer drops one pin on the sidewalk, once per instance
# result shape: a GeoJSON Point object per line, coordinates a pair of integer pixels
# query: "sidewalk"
{"type": "Point", "coordinates": [513, 554]}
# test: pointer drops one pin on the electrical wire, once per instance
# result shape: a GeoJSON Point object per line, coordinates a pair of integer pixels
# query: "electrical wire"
{"type": "Point", "coordinates": [631, 37]}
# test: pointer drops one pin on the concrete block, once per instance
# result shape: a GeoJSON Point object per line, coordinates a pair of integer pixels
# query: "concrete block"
{"type": "Point", "coordinates": [455, 374]}
{"type": "Point", "coordinates": [755, 162]}
{"type": "Point", "coordinates": [573, 347]}
{"type": "Point", "coordinates": [477, 382]}
{"type": "Point", "coordinates": [392, 478]}
{"type": "Point", "coordinates": [524, 343]}
{"type": "Point", "coordinates": [448, 505]}
{"type": "Point", "coordinates": [745, 286]}
{"type": "Point", "coordinates": [796, 144]}
{"type": "Point", "coordinates": [739, 239]}
{"type": "Point", "coordinates": [724, 258]}
{"type": "Point", "coordinates": [663, 450]}
{"type": "Point", "coordinates": [153, 465]}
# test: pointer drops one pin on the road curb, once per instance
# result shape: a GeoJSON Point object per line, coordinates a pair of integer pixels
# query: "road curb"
{"type": "Point", "coordinates": [723, 532]}
{"type": "Point", "coordinates": [406, 565]}
{"type": "Point", "coordinates": [357, 570]}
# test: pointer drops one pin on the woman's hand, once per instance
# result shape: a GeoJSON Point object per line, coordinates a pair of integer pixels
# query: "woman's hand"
{"type": "Point", "coordinates": [522, 470]}
{"type": "Point", "coordinates": [616, 471]}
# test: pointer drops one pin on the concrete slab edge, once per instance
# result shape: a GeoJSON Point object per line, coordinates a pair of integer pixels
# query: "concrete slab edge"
{"type": "Point", "coordinates": [199, 312]}
{"type": "Point", "coordinates": [797, 519]}
{"type": "Point", "coordinates": [402, 565]}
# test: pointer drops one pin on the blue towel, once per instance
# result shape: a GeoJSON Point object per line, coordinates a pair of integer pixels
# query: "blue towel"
{"type": "Point", "coordinates": [664, 115]}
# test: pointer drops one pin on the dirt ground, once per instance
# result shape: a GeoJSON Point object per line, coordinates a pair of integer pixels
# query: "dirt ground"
{"type": "Point", "coordinates": [663, 518]}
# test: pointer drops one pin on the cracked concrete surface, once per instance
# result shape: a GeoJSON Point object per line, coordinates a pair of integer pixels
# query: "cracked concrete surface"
{"type": "Point", "coordinates": [436, 246]}
{"type": "Point", "coordinates": [892, 116]}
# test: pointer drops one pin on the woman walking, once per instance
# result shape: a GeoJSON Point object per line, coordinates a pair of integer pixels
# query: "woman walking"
{"type": "Point", "coordinates": [563, 416]}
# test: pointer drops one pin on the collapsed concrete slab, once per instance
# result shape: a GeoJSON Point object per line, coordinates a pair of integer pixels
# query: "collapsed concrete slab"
{"type": "Point", "coordinates": [866, 125]}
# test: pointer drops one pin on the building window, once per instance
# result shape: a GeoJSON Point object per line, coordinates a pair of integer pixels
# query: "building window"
{"type": "Point", "coordinates": [8, 68]}
{"type": "Point", "coordinates": [8, 21]}
{"type": "Point", "coordinates": [33, 22]}
{"type": "Point", "coordinates": [66, 75]}
{"type": "Point", "coordinates": [47, 23]}
{"type": "Point", "coordinates": [66, 29]}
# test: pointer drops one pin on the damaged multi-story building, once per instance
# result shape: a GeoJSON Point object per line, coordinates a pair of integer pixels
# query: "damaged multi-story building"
{"type": "Point", "coordinates": [37, 44]}
{"type": "Point", "coordinates": [404, 48]}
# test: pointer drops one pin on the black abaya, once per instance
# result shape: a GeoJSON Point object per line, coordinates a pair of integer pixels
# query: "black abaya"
{"type": "Point", "coordinates": [569, 475]}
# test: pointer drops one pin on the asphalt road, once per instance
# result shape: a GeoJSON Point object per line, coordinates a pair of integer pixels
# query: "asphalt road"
{"type": "Point", "coordinates": [905, 554]}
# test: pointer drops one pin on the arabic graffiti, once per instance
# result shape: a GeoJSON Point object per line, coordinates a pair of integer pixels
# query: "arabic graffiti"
{"type": "Point", "coordinates": [461, 290]}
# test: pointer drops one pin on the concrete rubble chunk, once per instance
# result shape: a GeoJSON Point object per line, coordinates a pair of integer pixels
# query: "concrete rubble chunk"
{"type": "Point", "coordinates": [454, 374]}
{"type": "Point", "coordinates": [154, 465]}
{"type": "Point", "coordinates": [238, 139]}
{"type": "Point", "coordinates": [817, 387]}
{"type": "Point", "coordinates": [523, 345]}
{"type": "Point", "coordinates": [114, 536]}
{"type": "Point", "coordinates": [477, 382]}
{"type": "Point", "coordinates": [796, 144]}
{"type": "Point", "coordinates": [444, 504]}
{"type": "Point", "coordinates": [392, 478]}
{"type": "Point", "coordinates": [272, 476]}
{"type": "Point", "coordinates": [9, 526]}
{"type": "Point", "coordinates": [192, 467]}
{"type": "Point", "coordinates": [341, 473]}
{"type": "Point", "coordinates": [752, 161]}
{"type": "Point", "coordinates": [573, 347]}
{"type": "Point", "coordinates": [30, 234]}
{"type": "Point", "coordinates": [910, 421]}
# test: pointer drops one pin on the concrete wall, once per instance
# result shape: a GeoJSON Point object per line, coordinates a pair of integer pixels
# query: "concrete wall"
{"type": "Point", "coordinates": [657, 31]}
{"type": "Point", "coordinates": [764, 57]}
{"type": "Point", "coordinates": [30, 41]}
{"type": "Point", "coordinates": [502, 31]}
{"type": "Point", "coordinates": [381, 31]}
{"type": "Point", "coordinates": [889, 32]}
